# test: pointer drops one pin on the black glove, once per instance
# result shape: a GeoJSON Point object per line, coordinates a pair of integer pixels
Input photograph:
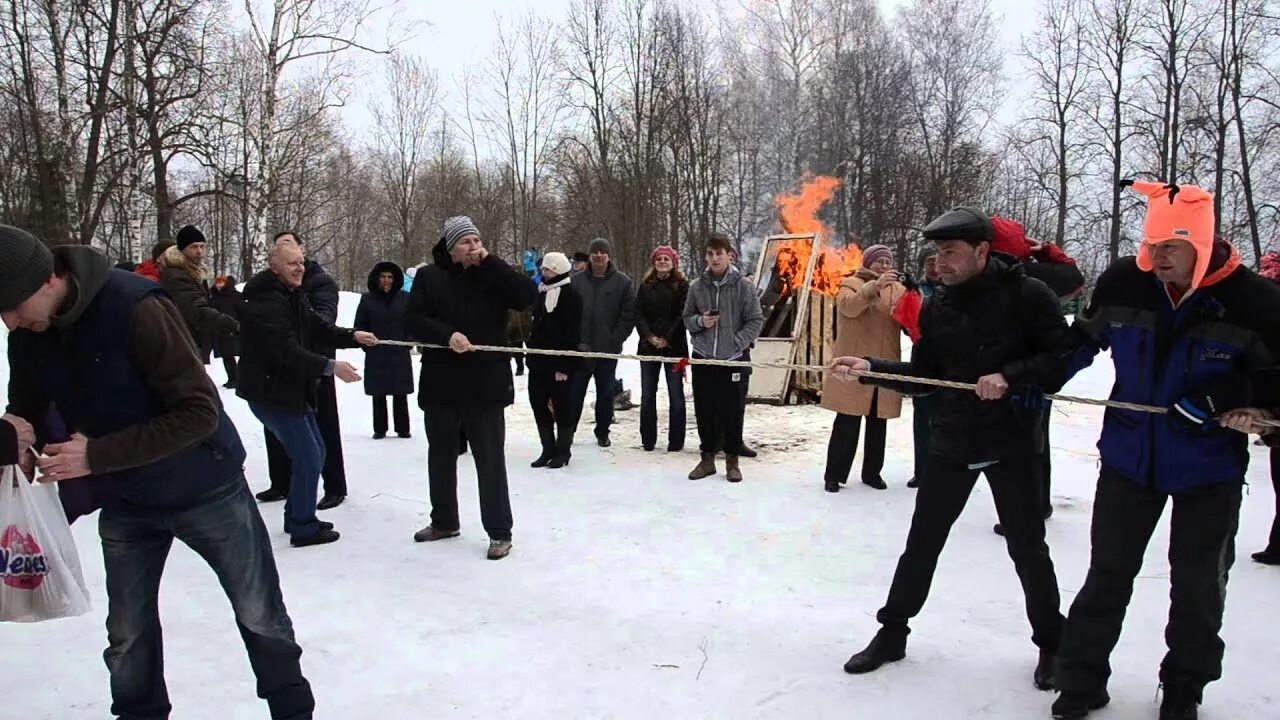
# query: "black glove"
{"type": "Point", "coordinates": [1201, 406]}
{"type": "Point", "coordinates": [909, 282]}
{"type": "Point", "coordinates": [1032, 398]}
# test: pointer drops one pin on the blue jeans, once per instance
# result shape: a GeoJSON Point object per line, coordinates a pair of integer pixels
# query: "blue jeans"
{"type": "Point", "coordinates": [300, 435]}
{"type": "Point", "coordinates": [228, 533]}
{"type": "Point", "coordinates": [649, 372]}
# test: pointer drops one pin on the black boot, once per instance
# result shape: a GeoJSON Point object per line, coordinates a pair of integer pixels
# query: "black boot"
{"type": "Point", "coordinates": [563, 445]}
{"type": "Point", "coordinates": [270, 495]}
{"type": "Point", "coordinates": [1043, 677]}
{"type": "Point", "coordinates": [1180, 703]}
{"type": "Point", "coordinates": [831, 486]}
{"type": "Point", "coordinates": [886, 647]}
{"type": "Point", "coordinates": [548, 437]}
{"type": "Point", "coordinates": [1073, 705]}
{"type": "Point", "coordinates": [1267, 557]}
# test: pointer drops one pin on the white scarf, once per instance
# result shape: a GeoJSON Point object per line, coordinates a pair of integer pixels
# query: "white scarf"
{"type": "Point", "coordinates": [552, 292]}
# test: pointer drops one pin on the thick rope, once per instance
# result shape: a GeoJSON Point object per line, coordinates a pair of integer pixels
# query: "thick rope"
{"type": "Point", "coordinates": [949, 384]}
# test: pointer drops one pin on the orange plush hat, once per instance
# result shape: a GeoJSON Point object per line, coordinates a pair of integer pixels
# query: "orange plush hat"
{"type": "Point", "coordinates": [1176, 212]}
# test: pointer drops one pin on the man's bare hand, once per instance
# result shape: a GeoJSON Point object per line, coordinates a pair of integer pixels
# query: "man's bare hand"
{"type": "Point", "coordinates": [65, 461]}
{"type": "Point", "coordinates": [848, 368]}
{"type": "Point", "coordinates": [709, 321]}
{"type": "Point", "coordinates": [1247, 420]}
{"type": "Point", "coordinates": [459, 343]}
{"type": "Point", "coordinates": [992, 387]}
{"type": "Point", "coordinates": [26, 433]}
{"type": "Point", "coordinates": [346, 372]}
{"type": "Point", "coordinates": [366, 339]}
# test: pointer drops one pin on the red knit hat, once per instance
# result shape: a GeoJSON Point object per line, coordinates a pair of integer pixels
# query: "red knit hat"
{"type": "Point", "coordinates": [1177, 212]}
{"type": "Point", "coordinates": [665, 251]}
{"type": "Point", "coordinates": [1008, 237]}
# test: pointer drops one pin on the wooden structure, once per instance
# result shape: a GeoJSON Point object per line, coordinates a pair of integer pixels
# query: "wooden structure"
{"type": "Point", "coordinates": [799, 324]}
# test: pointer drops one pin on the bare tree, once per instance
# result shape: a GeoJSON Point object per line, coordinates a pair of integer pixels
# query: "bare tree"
{"type": "Point", "coordinates": [404, 121]}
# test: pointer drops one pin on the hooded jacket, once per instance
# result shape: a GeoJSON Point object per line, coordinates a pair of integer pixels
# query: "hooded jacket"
{"type": "Point", "coordinates": [188, 286]}
{"type": "Point", "coordinates": [1166, 346]}
{"type": "Point", "coordinates": [448, 298]}
{"type": "Point", "coordinates": [388, 370]}
{"type": "Point", "coordinates": [608, 309]}
{"type": "Point", "coordinates": [741, 317]}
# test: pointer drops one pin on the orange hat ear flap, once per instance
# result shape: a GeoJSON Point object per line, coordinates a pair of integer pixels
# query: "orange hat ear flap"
{"type": "Point", "coordinates": [1145, 262]}
{"type": "Point", "coordinates": [1203, 256]}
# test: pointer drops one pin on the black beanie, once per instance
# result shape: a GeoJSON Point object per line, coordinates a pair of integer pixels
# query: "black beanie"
{"type": "Point", "coordinates": [187, 235]}
{"type": "Point", "coordinates": [25, 265]}
{"type": "Point", "coordinates": [963, 223]}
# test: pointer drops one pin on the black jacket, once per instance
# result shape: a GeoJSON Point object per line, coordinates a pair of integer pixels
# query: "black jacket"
{"type": "Point", "coordinates": [322, 293]}
{"type": "Point", "coordinates": [187, 286]}
{"type": "Point", "coordinates": [278, 329]}
{"type": "Point", "coordinates": [660, 305]}
{"type": "Point", "coordinates": [608, 309]}
{"type": "Point", "coordinates": [226, 301]}
{"type": "Point", "coordinates": [388, 370]}
{"type": "Point", "coordinates": [559, 330]}
{"type": "Point", "coordinates": [1000, 321]}
{"type": "Point", "coordinates": [448, 298]}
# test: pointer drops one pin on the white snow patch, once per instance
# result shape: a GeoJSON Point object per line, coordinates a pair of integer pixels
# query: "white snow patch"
{"type": "Point", "coordinates": [635, 593]}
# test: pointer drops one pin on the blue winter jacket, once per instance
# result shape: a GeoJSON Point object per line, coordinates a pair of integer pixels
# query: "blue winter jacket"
{"type": "Point", "coordinates": [1230, 326]}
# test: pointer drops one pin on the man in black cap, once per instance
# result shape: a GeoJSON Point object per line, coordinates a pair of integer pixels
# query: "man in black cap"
{"type": "Point", "coordinates": [608, 317]}
{"type": "Point", "coordinates": [991, 325]}
{"type": "Point", "coordinates": [186, 279]}
{"type": "Point", "coordinates": [580, 262]}
{"type": "Point", "coordinates": [108, 352]}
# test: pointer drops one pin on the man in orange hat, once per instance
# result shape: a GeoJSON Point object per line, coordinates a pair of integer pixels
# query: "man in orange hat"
{"type": "Point", "coordinates": [1190, 329]}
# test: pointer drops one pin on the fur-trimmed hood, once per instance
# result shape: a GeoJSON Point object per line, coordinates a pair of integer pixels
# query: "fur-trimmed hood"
{"type": "Point", "coordinates": [173, 258]}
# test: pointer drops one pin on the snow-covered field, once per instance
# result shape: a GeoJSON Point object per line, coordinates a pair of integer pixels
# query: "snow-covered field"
{"type": "Point", "coordinates": [635, 593]}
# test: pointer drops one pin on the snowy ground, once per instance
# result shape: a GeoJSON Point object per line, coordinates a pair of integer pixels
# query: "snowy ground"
{"type": "Point", "coordinates": [634, 593]}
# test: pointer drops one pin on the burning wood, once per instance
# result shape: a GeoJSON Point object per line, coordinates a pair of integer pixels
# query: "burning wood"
{"type": "Point", "coordinates": [798, 214]}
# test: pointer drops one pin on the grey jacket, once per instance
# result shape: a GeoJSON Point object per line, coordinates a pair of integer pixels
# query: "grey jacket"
{"type": "Point", "coordinates": [608, 309]}
{"type": "Point", "coordinates": [740, 315]}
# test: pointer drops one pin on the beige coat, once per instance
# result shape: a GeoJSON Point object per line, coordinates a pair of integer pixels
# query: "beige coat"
{"type": "Point", "coordinates": [865, 328]}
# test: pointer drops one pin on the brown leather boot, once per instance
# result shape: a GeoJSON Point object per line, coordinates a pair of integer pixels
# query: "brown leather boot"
{"type": "Point", "coordinates": [705, 468]}
{"type": "Point", "coordinates": [731, 470]}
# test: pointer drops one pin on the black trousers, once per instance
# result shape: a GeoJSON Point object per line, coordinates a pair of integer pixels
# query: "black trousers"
{"type": "Point", "coordinates": [400, 409]}
{"type": "Point", "coordinates": [843, 445]}
{"type": "Point", "coordinates": [922, 409]}
{"type": "Point", "coordinates": [718, 408]}
{"type": "Point", "coordinates": [1274, 543]}
{"type": "Point", "coordinates": [650, 373]}
{"type": "Point", "coordinates": [518, 357]}
{"type": "Point", "coordinates": [1044, 464]}
{"type": "Point", "coordinates": [335, 471]}
{"type": "Point", "coordinates": [1201, 552]}
{"type": "Point", "coordinates": [229, 364]}
{"type": "Point", "coordinates": [603, 373]}
{"type": "Point", "coordinates": [553, 410]}
{"type": "Point", "coordinates": [485, 429]}
{"type": "Point", "coordinates": [938, 505]}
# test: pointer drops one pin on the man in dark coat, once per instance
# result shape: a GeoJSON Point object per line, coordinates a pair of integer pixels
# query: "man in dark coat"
{"type": "Point", "coordinates": [322, 293]}
{"type": "Point", "coordinates": [110, 353]}
{"type": "Point", "coordinates": [388, 370]}
{"type": "Point", "coordinates": [279, 374]}
{"type": "Point", "coordinates": [993, 326]}
{"type": "Point", "coordinates": [225, 298]}
{"type": "Point", "coordinates": [608, 317]}
{"type": "Point", "coordinates": [186, 279]}
{"type": "Point", "coordinates": [460, 299]}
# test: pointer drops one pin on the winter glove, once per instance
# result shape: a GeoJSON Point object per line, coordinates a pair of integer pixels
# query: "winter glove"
{"type": "Point", "coordinates": [909, 282]}
{"type": "Point", "coordinates": [1210, 399]}
{"type": "Point", "coordinates": [1031, 398]}
{"type": "Point", "coordinates": [1187, 413]}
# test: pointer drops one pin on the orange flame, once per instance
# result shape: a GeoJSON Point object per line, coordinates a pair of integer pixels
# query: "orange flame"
{"type": "Point", "coordinates": [798, 214]}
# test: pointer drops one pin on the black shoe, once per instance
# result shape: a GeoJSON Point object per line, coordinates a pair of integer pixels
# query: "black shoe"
{"type": "Point", "coordinates": [831, 485]}
{"type": "Point", "coordinates": [1073, 706]}
{"type": "Point", "coordinates": [648, 448]}
{"type": "Point", "coordinates": [1180, 703]}
{"type": "Point", "coordinates": [543, 459]}
{"type": "Point", "coordinates": [875, 482]}
{"type": "Point", "coordinates": [229, 386]}
{"type": "Point", "coordinates": [558, 462]}
{"type": "Point", "coordinates": [379, 436]}
{"type": "Point", "coordinates": [329, 502]}
{"type": "Point", "coordinates": [1267, 557]}
{"type": "Point", "coordinates": [746, 452]}
{"type": "Point", "coordinates": [431, 533]}
{"type": "Point", "coordinates": [1043, 676]}
{"type": "Point", "coordinates": [270, 495]}
{"type": "Point", "coordinates": [404, 435]}
{"type": "Point", "coordinates": [321, 537]}
{"type": "Point", "coordinates": [602, 439]}
{"type": "Point", "coordinates": [886, 647]}
{"type": "Point", "coordinates": [913, 483]}
{"type": "Point", "coordinates": [677, 448]}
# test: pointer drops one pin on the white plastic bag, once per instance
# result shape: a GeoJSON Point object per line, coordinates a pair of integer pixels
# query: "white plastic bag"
{"type": "Point", "coordinates": [40, 576]}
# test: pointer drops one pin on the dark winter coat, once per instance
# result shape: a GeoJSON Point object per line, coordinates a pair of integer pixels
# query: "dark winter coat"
{"type": "Point", "coordinates": [999, 321]}
{"type": "Point", "coordinates": [226, 301]}
{"type": "Point", "coordinates": [608, 309]}
{"type": "Point", "coordinates": [279, 328]}
{"type": "Point", "coordinates": [448, 298]}
{"type": "Point", "coordinates": [559, 330]}
{"type": "Point", "coordinates": [388, 370]}
{"type": "Point", "coordinates": [519, 325]}
{"type": "Point", "coordinates": [660, 307]}
{"type": "Point", "coordinates": [1225, 331]}
{"type": "Point", "coordinates": [322, 293]}
{"type": "Point", "coordinates": [188, 286]}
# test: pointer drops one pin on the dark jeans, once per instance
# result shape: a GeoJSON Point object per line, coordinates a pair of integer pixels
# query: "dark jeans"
{"type": "Point", "coordinates": [227, 532]}
{"type": "Point", "coordinates": [649, 372]}
{"type": "Point", "coordinates": [718, 408]}
{"type": "Point", "coordinates": [335, 471]}
{"type": "Point", "coordinates": [399, 406]}
{"type": "Point", "coordinates": [1273, 543]}
{"type": "Point", "coordinates": [843, 445]}
{"type": "Point", "coordinates": [602, 371]}
{"type": "Point", "coordinates": [518, 357]}
{"type": "Point", "coordinates": [299, 435]}
{"type": "Point", "coordinates": [938, 503]}
{"type": "Point", "coordinates": [485, 429]}
{"type": "Point", "coordinates": [1044, 464]}
{"type": "Point", "coordinates": [922, 409]}
{"type": "Point", "coordinates": [1201, 551]}
{"type": "Point", "coordinates": [553, 413]}
{"type": "Point", "coordinates": [229, 364]}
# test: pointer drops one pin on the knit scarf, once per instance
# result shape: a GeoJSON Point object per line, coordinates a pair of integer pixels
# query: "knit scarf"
{"type": "Point", "coordinates": [552, 292]}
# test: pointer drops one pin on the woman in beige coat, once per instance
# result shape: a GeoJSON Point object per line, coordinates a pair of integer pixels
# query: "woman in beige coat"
{"type": "Point", "coordinates": [865, 328]}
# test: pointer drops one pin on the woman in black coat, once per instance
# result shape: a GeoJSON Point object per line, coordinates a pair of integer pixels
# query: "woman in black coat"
{"type": "Point", "coordinates": [387, 370]}
{"type": "Point", "coordinates": [557, 325]}
{"type": "Point", "coordinates": [660, 303]}
{"type": "Point", "coordinates": [225, 298]}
